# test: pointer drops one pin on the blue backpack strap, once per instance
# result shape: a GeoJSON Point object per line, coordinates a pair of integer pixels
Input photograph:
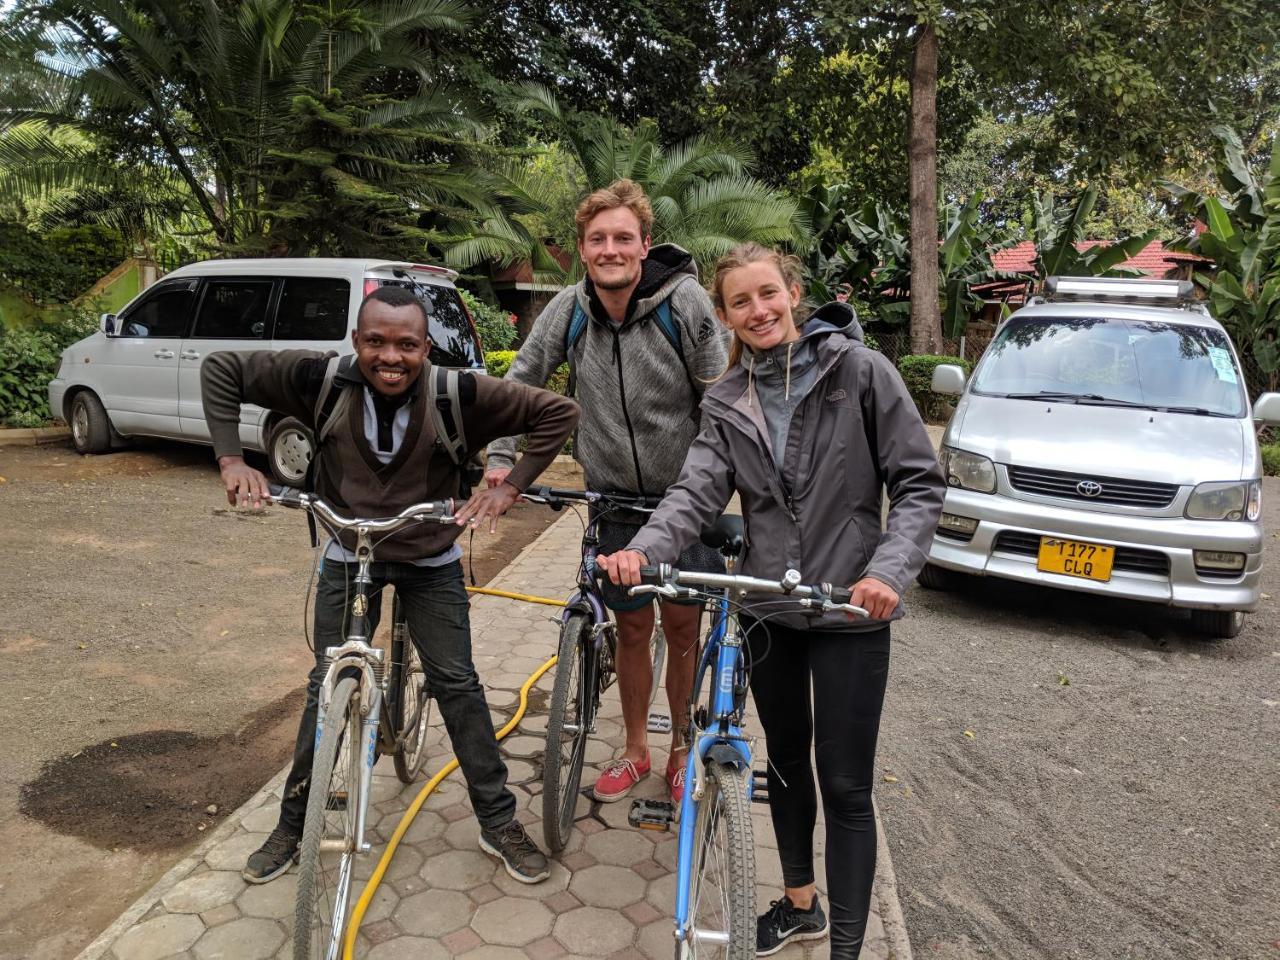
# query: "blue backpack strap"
{"type": "Point", "coordinates": [573, 333]}
{"type": "Point", "coordinates": [667, 324]}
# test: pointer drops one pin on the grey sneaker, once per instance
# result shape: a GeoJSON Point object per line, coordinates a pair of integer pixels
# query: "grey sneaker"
{"type": "Point", "coordinates": [782, 923]}
{"type": "Point", "coordinates": [519, 854]}
{"type": "Point", "coordinates": [273, 858]}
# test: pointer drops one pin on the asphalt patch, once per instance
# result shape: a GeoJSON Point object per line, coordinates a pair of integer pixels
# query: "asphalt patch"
{"type": "Point", "coordinates": [151, 791]}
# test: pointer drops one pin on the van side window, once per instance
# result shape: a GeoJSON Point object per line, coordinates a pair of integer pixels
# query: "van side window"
{"type": "Point", "coordinates": [163, 311]}
{"type": "Point", "coordinates": [313, 308]}
{"type": "Point", "coordinates": [234, 310]}
{"type": "Point", "coordinates": [452, 342]}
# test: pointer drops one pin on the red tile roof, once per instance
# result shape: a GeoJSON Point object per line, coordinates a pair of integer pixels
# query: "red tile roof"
{"type": "Point", "coordinates": [1153, 260]}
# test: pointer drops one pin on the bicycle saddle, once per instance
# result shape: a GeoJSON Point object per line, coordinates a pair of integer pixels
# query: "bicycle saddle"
{"type": "Point", "coordinates": [725, 535]}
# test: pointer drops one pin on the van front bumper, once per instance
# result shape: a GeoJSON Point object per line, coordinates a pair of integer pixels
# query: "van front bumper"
{"type": "Point", "coordinates": [1154, 555]}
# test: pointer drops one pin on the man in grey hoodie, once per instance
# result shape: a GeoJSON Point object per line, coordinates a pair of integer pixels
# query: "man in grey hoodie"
{"type": "Point", "coordinates": [640, 395]}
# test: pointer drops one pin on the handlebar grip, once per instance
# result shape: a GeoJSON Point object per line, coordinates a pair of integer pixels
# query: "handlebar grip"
{"type": "Point", "coordinates": [841, 595]}
{"type": "Point", "coordinates": [289, 495]}
{"type": "Point", "coordinates": [651, 574]}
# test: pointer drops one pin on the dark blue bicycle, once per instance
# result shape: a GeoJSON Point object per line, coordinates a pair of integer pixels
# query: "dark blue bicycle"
{"type": "Point", "coordinates": [715, 913]}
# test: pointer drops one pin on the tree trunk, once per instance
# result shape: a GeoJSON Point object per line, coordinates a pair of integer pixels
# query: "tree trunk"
{"type": "Point", "coordinates": [922, 164]}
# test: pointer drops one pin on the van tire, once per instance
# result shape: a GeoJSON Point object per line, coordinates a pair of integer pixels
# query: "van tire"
{"type": "Point", "coordinates": [933, 577]}
{"type": "Point", "coordinates": [289, 452]}
{"type": "Point", "coordinates": [1217, 624]}
{"type": "Point", "coordinates": [90, 426]}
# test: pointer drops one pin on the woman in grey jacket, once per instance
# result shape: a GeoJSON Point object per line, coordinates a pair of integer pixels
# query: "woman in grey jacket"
{"type": "Point", "coordinates": [808, 425]}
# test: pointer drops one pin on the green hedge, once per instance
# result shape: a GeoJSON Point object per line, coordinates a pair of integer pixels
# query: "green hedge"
{"type": "Point", "coordinates": [498, 362]}
{"type": "Point", "coordinates": [60, 265]}
{"type": "Point", "coordinates": [1271, 459]}
{"type": "Point", "coordinates": [917, 373]}
{"type": "Point", "coordinates": [497, 327]}
{"type": "Point", "coordinates": [28, 361]}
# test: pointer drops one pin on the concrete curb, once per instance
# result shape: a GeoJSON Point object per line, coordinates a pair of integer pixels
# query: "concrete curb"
{"type": "Point", "coordinates": [171, 878]}
{"type": "Point", "coordinates": [32, 436]}
{"type": "Point", "coordinates": [895, 924]}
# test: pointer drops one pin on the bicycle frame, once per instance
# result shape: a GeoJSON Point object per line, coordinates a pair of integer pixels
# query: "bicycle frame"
{"type": "Point", "coordinates": [721, 738]}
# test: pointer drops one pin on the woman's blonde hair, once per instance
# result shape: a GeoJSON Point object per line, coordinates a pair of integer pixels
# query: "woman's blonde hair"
{"type": "Point", "coordinates": [789, 268]}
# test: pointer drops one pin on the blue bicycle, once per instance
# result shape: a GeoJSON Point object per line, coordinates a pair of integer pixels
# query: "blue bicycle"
{"type": "Point", "coordinates": [715, 867]}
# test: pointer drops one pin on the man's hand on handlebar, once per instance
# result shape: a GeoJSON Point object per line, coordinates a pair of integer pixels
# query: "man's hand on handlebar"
{"type": "Point", "coordinates": [623, 567]}
{"type": "Point", "coordinates": [245, 486]}
{"type": "Point", "coordinates": [487, 505]}
{"type": "Point", "coordinates": [878, 599]}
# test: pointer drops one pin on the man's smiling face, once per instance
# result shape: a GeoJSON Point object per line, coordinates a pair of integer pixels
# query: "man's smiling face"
{"type": "Point", "coordinates": [391, 346]}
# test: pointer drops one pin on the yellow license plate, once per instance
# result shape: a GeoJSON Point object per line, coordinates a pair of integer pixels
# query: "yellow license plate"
{"type": "Point", "coordinates": [1090, 561]}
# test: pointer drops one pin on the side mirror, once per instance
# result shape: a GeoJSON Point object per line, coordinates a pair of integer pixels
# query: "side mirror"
{"type": "Point", "coordinates": [947, 379]}
{"type": "Point", "coordinates": [1267, 409]}
{"type": "Point", "coordinates": [108, 323]}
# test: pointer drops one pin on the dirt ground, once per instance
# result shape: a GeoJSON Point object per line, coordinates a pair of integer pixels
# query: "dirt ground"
{"type": "Point", "coordinates": [1084, 779]}
{"type": "Point", "coordinates": [153, 651]}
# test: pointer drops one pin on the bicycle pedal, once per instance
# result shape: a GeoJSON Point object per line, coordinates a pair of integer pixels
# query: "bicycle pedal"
{"type": "Point", "coordinates": [651, 814]}
{"type": "Point", "coordinates": [759, 786]}
{"type": "Point", "coordinates": [659, 723]}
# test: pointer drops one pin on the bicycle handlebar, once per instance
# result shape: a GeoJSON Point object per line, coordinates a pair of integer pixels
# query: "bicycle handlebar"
{"type": "Point", "coordinates": [555, 498]}
{"type": "Point", "coordinates": [441, 511]}
{"type": "Point", "coordinates": [665, 580]}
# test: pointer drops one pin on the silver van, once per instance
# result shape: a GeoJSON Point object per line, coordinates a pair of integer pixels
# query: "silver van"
{"type": "Point", "coordinates": [1106, 444]}
{"type": "Point", "coordinates": [139, 375]}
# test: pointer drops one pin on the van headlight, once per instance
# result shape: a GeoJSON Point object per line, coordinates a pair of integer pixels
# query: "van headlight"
{"type": "Point", "coordinates": [1230, 500]}
{"type": "Point", "coordinates": [969, 471]}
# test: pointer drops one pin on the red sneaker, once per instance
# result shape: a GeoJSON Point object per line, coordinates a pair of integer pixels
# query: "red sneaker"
{"type": "Point", "coordinates": [618, 779]}
{"type": "Point", "coordinates": [675, 780]}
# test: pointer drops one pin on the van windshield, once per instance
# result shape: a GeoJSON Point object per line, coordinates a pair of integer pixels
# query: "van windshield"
{"type": "Point", "coordinates": [453, 344]}
{"type": "Point", "coordinates": [1108, 361]}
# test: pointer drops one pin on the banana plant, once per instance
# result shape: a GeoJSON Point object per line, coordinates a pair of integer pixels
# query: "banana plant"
{"type": "Point", "coordinates": [966, 261]}
{"type": "Point", "coordinates": [1242, 238]}
{"type": "Point", "coordinates": [1059, 231]}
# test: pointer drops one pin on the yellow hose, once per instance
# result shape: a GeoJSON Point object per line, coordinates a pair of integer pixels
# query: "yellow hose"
{"type": "Point", "coordinates": [516, 596]}
{"type": "Point", "coordinates": [362, 905]}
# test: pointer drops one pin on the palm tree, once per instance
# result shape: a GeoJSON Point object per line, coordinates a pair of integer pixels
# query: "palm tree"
{"type": "Point", "coordinates": [704, 198]}
{"type": "Point", "coordinates": [290, 128]}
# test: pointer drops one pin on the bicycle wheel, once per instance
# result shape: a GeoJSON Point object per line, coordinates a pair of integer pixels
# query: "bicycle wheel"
{"type": "Point", "coordinates": [413, 696]}
{"type": "Point", "coordinates": [658, 656]}
{"type": "Point", "coordinates": [324, 876]}
{"type": "Point", "coordinates": [722, 887]}
{"type": "Point", "coordinates": [568, 723]}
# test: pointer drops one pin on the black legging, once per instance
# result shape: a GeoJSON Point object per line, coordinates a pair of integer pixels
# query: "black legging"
{"type": "Point", "coordinates": [848, 672]}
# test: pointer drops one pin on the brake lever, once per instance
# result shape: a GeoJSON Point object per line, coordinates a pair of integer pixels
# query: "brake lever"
{"type": "Point", "coordinates": [668, 590]}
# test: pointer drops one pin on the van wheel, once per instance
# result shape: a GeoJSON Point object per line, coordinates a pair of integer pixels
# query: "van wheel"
{"type": "Point", "coordinates": [936, 578]}
{"type": "Point", "coordinates": [289, 452]}
{"type": "Point", "coordinates": [1218, 624]}
{"type": "Point", "coordinates": [90, 426]}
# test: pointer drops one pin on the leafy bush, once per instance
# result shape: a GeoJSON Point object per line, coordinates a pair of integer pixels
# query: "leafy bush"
{"type": "Point", "coordinates": [498, 362]}
{"type": "Point", "coordinates": [497, 327]}
{"type": "Point", "coordinates": [917, 373]}
{"type": "Point", "coordinates": [1271, 459]}
{"type": "Point", "coordinates": [28, 361]}
{"type": "Point", "coordinates": [60, 265]}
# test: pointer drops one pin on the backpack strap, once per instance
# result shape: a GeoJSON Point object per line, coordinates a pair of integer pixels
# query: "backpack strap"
{"type": "Point", "coordinates": [445, 408]}
{"type": "Point", "coordinates": [331, 404]}
{"type": "Point", "coordinates": [572, 334]}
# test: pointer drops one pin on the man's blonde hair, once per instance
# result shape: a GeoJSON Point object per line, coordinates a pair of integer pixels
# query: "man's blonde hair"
{"type": "Point", "coordinates": [620, 193]}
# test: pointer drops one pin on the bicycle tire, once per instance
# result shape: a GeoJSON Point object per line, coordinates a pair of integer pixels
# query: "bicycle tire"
{"type": "Point", "coordinates": [732, 851]}
{"type": "Point", "coordinates": [572, 704]}
{"type": "Point", "coordinates": [413, 700]}
{"type": "Point", "coordinates": [324, 884]}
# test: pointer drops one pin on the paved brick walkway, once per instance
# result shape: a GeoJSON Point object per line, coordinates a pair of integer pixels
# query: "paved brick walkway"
{"type": "Point", "coordinates": [610, 895]}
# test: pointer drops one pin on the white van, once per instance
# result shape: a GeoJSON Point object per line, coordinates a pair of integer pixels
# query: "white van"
{"type": "Point", "coordinates": [139, 375]}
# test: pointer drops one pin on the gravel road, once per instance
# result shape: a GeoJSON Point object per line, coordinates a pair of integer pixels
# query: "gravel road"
{"type": "Point", "coordinates": [1077, 778]}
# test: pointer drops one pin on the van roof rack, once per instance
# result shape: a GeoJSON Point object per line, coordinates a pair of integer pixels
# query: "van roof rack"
{"type": "Point", "coordinates": [1157, 293]}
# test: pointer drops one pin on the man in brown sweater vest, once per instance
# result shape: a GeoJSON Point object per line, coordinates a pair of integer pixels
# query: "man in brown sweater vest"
{"type": "Point", "coordinates": [383, 457]}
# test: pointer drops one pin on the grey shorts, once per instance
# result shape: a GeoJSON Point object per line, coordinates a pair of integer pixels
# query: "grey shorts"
{"type": "Point", "coordinates": [615, 536]}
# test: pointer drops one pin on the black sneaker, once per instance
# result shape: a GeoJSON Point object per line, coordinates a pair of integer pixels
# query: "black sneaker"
{"type": "Point", "coordinates": [520, 855]}
{"type": "Point", "coordinates": [273, 858]}
{"type": "Point", "coordinates": [784, 923]}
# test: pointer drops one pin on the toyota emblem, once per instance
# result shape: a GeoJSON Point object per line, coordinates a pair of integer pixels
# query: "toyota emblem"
{"type": "Point", "coordinates": [1088, 488]}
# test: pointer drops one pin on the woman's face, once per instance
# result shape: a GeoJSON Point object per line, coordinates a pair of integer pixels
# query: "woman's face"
{"type": "Point", "coordinates": [758, 305]}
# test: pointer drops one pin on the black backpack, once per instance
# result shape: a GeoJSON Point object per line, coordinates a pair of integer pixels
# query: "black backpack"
{"type": "Point", "coordinates": [445, 410]}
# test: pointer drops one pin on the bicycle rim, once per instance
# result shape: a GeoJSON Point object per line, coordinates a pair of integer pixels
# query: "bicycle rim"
{"type": "Point", "coordinates": [415, 711]}
{"type": "Point", "coordinates": [568, 720]}
{"type": "Point", "coordinates": [722, 888]}
{"type": "Point", "coordinates": [325, 875]}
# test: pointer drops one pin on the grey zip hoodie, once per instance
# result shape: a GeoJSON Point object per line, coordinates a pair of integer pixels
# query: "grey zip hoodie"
{"type": "Point", "coordinates": [638, 404]}
{"type": "Point", "coordinates": [816, 507]}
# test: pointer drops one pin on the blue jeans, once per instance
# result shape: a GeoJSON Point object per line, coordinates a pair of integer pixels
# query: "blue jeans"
{"type": "Point", "coordinates": [436, 607]}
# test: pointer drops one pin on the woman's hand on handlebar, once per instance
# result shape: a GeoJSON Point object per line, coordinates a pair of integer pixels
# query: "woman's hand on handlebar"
{"type": "Point", "coordinates": [487, 505]}
{"type": "Point", "coordinates": [623, 567]}
{"type": "Point", "coordinates": [878, 599]}
{"type": "Point", "coordinates": [245, 486]}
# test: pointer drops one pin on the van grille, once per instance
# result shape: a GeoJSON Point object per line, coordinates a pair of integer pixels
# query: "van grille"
{"type": "Point", "coordinates": [1128, 559]}
{"type": "Point", "coordinates": [1127, 493]}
